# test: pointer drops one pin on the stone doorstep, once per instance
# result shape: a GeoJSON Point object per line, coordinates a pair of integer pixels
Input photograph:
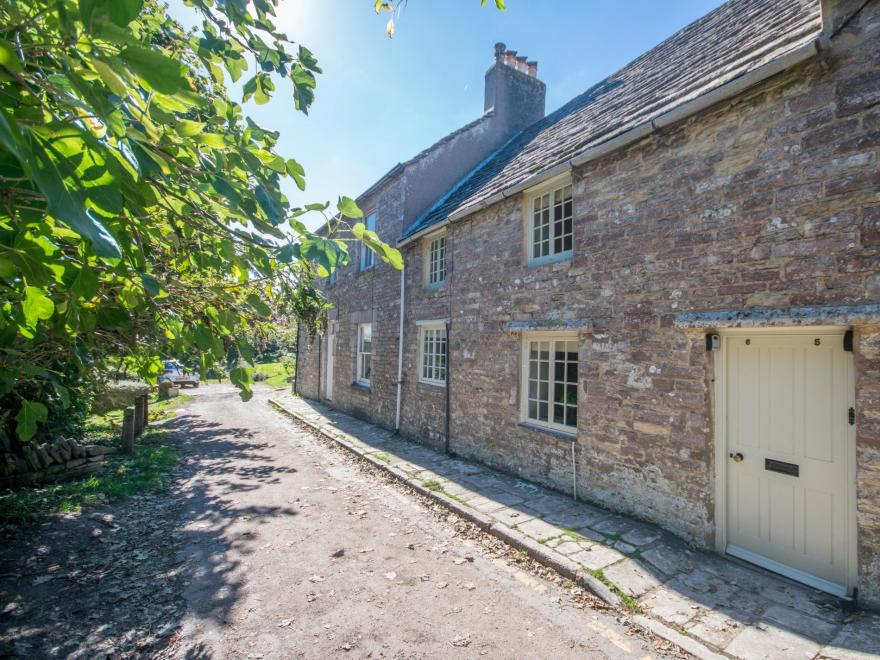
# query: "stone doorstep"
{"type": "Point", "coordinates": [771, 639]}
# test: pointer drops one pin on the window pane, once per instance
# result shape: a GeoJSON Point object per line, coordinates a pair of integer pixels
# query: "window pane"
{"type": "Point", "coordinates": [552, 382]}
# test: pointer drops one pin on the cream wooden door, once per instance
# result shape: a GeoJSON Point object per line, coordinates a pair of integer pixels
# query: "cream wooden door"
{"type": "Point", "coordinates": [331, 351]}
{"type": "Point", "coordinates": [787, 466]}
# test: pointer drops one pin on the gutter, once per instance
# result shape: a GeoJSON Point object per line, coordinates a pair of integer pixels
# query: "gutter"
{"type": "Point", "coordinates": [687, 109]}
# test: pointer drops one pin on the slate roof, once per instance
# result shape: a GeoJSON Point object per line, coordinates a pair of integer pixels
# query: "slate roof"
{"type": "Point", "coordinates": [732, 40]}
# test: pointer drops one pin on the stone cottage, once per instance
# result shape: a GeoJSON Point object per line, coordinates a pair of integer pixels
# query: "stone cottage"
{"type": "Point", "coordinates": [663, 297]}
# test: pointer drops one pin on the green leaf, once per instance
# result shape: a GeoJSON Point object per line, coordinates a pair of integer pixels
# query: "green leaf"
{"type": "Point", "coordinates": [36, 305]}
{"type": "Point", "coordinates": [110, 77]}
{"type": "Point", "coordinates": [241, 378]}
{"type": "Point", "coordinates": [236, 65]}
{"type": "Point", "coordinates": [162, 73]}
{"type": "Point", "coordinates": [51, 171]}
{"type": "Point", "coordinates": [151, 284]}
{"type": "Point", "coordinates": [303, 88]}
{"type": "Point", "coordinates": [349, 208]}
{"type": "Point", "coordinates": [214, 140]}
{"type": "Point", "coordinates": [85, 284]}
{"type": "Point", "coordinates": [120, 12]}
{"type": "Point", "coordinates": [296, 171]}
{"type": "Point", "coordinates": [256, 302]}
{"type": "Point", "coordinates": [7, 267]}
{"type": "Point", "coordinates": [46, 163]}
{"type": "Point", "coordinates": [30, 413]}
{"type": "Point", "coordinates": [113, 318]}
{"type": "Point", "coordinates": [188, 128]}
{"type": "Point", "coordinates": [9, 58]}
{"type": "Point", "coordinates": [325, 253]}
{"type": "Point", "coordinates": [260, 87]}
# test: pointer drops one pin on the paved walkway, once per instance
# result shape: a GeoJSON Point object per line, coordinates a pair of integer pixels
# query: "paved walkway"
{"type": "Point", "coordinates": [689, 596]}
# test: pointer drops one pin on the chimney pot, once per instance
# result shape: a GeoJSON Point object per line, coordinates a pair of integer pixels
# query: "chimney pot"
{"type": "Point", "coordinates": [499, 51]}
{"type": "Point", "coordinates": [510, 58]}
{"type": "Point", "coordinates": [521, 63]}
{"type": "Point", "coordinates": [532, 69]}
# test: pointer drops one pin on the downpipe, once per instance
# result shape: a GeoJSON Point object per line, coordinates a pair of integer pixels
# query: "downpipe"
{"type": "Point", "coordinates": [448, 387]}
{"type": "Point", "coordinates": [400, 353]}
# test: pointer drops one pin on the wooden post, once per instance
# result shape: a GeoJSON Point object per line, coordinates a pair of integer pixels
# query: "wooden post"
{"type": "Point", "coordinates": [146, 410]}
{"type": "Point", "coordinates": [138, 415]}
{"type": "Point", "coordinates": [128, 430]}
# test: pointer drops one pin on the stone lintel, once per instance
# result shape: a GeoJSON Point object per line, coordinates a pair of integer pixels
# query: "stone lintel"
{"type": "Point", "coordinates": [548, 325]}
{"type": "Point", "coordinates": [781, 316]}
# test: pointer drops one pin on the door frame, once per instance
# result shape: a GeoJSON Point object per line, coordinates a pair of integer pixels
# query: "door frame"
{"type": "Point", "coordinates": [719, 408]}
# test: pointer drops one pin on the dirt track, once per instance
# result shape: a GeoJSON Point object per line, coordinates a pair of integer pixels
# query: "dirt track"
{"type": "Point", "coordinates": [273, 544]}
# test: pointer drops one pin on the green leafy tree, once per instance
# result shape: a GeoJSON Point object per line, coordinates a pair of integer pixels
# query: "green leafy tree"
{"type": "Point", "coordinates": [141, 211]}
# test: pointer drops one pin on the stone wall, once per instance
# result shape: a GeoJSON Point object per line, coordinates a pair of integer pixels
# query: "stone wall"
{"type": "Point", "coordinates": [769, 201]}
{"type": "Point", "coordinates": [361, 296]}
{"type": "Point", "coordinates": [51, 461]}
{"type": "Point", "coordinates": [423, 407]}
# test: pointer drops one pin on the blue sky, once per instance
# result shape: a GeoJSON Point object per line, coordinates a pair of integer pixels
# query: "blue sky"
{"type": "Point", "coordinates": [381, 101]}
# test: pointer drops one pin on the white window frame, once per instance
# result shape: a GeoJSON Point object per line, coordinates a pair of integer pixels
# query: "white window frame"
{"type": "Point", "coordinates": [368, 257]}
{"type": "Point", "coordinates": [427, 328]}
{"type": "Point", "coordinates": [361, 354]}
{"type": "Point", "coordinates": [436, 266]}
{"type": "Point", "coordinates": [561, 185]}
{"type": "Point", "coordinates": [552, 338]}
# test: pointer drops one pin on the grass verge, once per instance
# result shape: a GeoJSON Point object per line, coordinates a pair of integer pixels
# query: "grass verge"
{"type": "Point", "coordinates": [107, 429]}
{"type": "Point", "coordinates": [276, 372]}
{"type": "Point", "coordinates": [147, 470]}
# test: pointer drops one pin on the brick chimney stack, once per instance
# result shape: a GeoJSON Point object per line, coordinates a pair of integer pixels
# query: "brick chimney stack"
{"type": "Point", "coordinates": [513, 90]}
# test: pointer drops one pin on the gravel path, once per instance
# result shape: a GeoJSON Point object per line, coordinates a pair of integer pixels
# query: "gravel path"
{"type": "Point", "coordinates": [273, 544]}
{"type": "Point", "coordinates": [295, 550]}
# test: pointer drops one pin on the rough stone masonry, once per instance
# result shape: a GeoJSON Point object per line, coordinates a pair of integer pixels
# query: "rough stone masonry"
{"type": "Point", "coordinates": [762, 205]}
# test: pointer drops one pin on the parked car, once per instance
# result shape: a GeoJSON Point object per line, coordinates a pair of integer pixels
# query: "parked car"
{"type": "Point", "coordinates": [178, 374]}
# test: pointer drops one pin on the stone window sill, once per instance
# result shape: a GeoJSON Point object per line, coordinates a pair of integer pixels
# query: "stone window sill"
{"type": "Point", "coordinates": [433, 384]}
{"type": "Point", "coordinates": [360, 386]}
{"type": "Point", "coordinates": [560, 435]}
{"type": "Point", "coordinates": [551, 259]}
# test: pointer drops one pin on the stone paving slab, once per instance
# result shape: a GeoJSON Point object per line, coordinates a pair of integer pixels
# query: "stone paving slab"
{"type": "Point", "coordinates": [539, 530]}
{"type": "Point", "coordinates": [711, 603]}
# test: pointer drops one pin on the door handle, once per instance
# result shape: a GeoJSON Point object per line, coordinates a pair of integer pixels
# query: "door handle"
{"type": "Point", "coordinates": [737, 457]}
